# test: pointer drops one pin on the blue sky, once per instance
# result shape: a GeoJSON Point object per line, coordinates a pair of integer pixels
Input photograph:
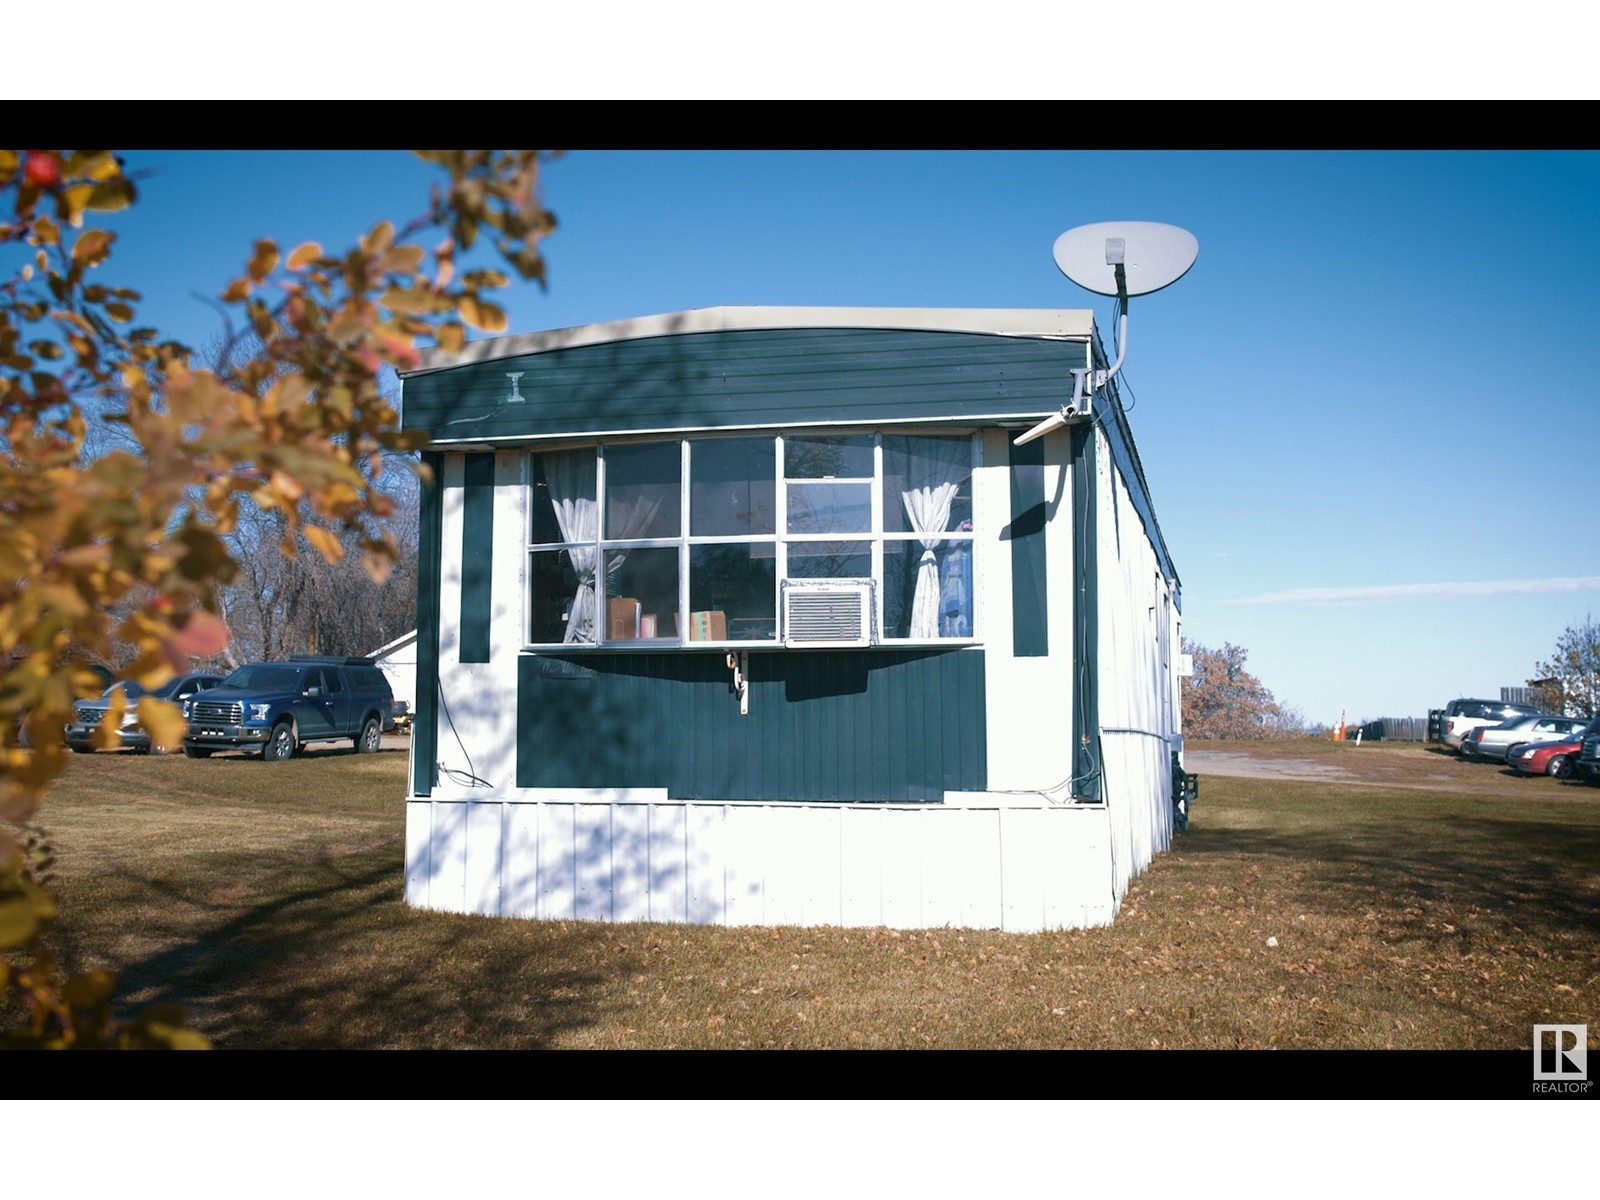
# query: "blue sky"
{"type": "Point", "coordinates": [1367, 415]}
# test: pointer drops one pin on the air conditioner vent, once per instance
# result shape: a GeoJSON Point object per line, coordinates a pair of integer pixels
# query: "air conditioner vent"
{"type": "Point", "coordinates": [829, 612]}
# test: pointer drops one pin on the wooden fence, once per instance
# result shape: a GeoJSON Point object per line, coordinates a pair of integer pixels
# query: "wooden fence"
{"type": "Point", "coordinates": [1392, 729]}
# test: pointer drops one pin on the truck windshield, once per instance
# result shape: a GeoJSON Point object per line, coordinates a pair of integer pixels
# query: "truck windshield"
{"type": "Point", "coordinates": [260, 678]}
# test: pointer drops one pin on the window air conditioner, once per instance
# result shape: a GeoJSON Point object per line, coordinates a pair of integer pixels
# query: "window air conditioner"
{"type": "Point", "coordinates": [829, 613]}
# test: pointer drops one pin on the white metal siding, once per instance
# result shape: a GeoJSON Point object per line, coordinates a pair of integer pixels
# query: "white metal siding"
{"type": "Point", "coordinates": [1136, 687]}
{"type": "Point", "coordinates": [903, 866]}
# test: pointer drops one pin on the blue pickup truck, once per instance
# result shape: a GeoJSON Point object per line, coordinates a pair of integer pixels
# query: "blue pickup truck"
{"type": "Point", "coordinates": [276, 708]}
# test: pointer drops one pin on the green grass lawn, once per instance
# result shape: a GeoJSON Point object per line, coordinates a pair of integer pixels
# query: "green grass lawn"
{"type": "Point", "coordinates": [1410, 912]}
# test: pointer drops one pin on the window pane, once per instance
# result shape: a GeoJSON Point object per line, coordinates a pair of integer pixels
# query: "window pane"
{"type": "Point", "coordinates": [732, 487]}
{"type": "Point", "coordinates": [920, 476]}
{"type": "Point", "coordinates": [738, 581]}
{"type": "Point", "coordinates": [564, 497]}
{"type": "Point", "coordinates": [830, 507]}
{"type": "Point", "coordinates": [948, 601]}
{"type": "Point", "coordinates": [553, 590]}
{"type": "Point", "coordinates": [642, 493]}
{"type": "Point", "coordinates": [830, 560]}
{"type": "Point", "coordinates": [641, 593]}
{"type": "Point", "coordinates": [827, 457]}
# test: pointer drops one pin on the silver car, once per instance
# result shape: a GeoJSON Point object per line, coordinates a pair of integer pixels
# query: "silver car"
{"type": "Point", "coordinates": [1462, 716]}
{"type": "Point", "coordinates": [88, 714]}
{"type": "Point", "coordinates": [1496, 741]}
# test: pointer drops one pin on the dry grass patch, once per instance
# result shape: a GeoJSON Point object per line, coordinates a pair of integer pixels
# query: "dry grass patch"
{"type": "Point", "coordinates": [267, 898]}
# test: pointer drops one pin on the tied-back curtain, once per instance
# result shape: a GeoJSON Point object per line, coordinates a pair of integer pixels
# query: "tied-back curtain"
{"type": "Point", "coordinates": [570, 475]}
{"type": "Point", "coordinates": [934, 469]}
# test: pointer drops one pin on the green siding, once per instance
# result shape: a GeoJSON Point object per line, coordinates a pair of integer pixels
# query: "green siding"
{"type": "Point", "coordinates": [425, 724]}
{"type": "Point", "coordinates": [1030, 612]}
{"type": "Point", "coordinates": [477, 557]}
{"type": "Point", "coordinates": [877, 725]}
{"type": "Point", "coordinates": [746, 377]}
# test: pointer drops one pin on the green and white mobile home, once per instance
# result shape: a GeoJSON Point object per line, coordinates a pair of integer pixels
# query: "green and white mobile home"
{"type": "Point", "coordinates": [759, 616]}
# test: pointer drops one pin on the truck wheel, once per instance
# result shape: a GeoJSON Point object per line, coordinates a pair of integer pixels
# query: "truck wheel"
{"type": "Point", "coordinates": [280, 743]}
{"type": "Point", "coordinates": [371, 734]}
{"type": "Point", "coordinates": [197, 752]}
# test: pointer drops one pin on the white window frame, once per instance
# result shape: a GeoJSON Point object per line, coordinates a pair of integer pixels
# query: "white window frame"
{"type": "Point", "coordinates": [877, 537]}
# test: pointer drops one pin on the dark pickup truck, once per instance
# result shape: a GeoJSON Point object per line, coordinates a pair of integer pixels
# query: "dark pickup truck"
{"type": "Point", "coordinates": [278, 707]}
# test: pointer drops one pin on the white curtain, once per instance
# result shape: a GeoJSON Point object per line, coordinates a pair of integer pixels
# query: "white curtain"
{"type": "Point", "coordinates": [569, 475]}
{"type": "Point", "coordinates": [628, 520]}
{"type": "Point", "coordinates": [935, 468]}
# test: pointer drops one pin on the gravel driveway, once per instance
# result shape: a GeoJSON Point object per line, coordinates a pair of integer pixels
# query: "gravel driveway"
{"type": "Point", "coordinates": [1230, 762]}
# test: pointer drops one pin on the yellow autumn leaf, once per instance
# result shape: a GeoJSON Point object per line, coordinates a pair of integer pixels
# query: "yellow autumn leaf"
{"type": "Point", "coordinates": [111, 195]}
{"type": "Point", "coordinates": [105, 734]}
{"type": "Point", "coordinates": [402, 260]}
{"type": "Point", "coordinates": [306, 252]}
{"type": "Point", "coordinates": [264, 259]}
{"type": "Point", "coordinates": [162, 721]}
{"type": "Point", "coordinates": [92, 247]}
{"type": "Point", "coordinates": [325, 542]}
{"type": "Point", "coordinates": [287, 486]}
{"type": "Point", "coordinates": [480, 314]}
{"type": "Point", "coordinates": [380, 239]}
{"type": "Point", "coordinates": [409, 300]}
{"type": "Point", "coordinates": [100, 167]}
{"type": "Point", "coordinates": [76, 199]}
{"type": "Point", "coordinates": [451, 337]}
{"type": "Point", "coordinates": [19, 920]}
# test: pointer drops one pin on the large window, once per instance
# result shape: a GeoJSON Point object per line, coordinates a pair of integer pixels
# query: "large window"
{"type": "Point", "coordinates": [677, 542]}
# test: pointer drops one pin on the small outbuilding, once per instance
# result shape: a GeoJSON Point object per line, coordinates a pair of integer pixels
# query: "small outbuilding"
{"type": "Point", "coordinates": [761, 616]}
{"type": "Point", "coordinates": [398, 662]}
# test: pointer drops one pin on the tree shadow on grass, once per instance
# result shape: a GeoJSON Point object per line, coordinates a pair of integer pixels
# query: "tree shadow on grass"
{"type": "Point", "coordinates": [332, 958]}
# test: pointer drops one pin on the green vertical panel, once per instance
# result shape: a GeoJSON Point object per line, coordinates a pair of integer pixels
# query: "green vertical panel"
{"type": "Point", "coordinates": [477, 557]}
{"type": "Point", "coordinates": [878, 706]}
{"type": "Point", "coordinates": [858, 750]}
{"type": "Point", "coordinates": [425, 728]}
{"type": "Point", "coordinates": [1085, 614]}
{"type": "Point", "coordinates": [900, 725]}
{"type": "Point", "coordinates": [1030, 632]}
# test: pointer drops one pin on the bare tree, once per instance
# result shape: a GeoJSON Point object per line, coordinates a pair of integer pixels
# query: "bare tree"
{"type": "Point", "coordinates": [282, 604]}
{"type": "Point", "coordinates": [1569, 681]}
{"type": "Point", "coordinates": [1223, 700]}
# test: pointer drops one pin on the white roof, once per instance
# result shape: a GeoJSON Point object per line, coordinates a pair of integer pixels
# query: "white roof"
{"type": "Point", "coordinates": [400, 643]}
{"type": "Point", "coordinates": [1062, 323]}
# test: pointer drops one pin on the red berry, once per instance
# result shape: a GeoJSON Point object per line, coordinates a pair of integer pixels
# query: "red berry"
{"type": "Point", "coordinates": [42, 169]}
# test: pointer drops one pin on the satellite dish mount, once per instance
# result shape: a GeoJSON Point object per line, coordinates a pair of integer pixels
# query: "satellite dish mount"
{"type": "Point", "coordinates": [1121, 259]}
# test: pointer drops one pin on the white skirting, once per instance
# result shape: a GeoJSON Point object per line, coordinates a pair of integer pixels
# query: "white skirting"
{"type": "Point", "coordinates": [904, 866]}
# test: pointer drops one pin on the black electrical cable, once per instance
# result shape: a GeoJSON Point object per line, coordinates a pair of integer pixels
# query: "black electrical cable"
{"type": "Point", "coordinates": [470, 775]}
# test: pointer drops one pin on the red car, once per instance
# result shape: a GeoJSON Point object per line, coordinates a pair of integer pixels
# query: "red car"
{"type": "Point", "coordinates": [1546, 758]}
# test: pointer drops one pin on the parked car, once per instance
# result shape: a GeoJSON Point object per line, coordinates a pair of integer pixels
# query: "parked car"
{"type": "Point", "coordinates": [1496, 741]}
{"type": "Point", "coordinates": [276, 708]}
{"type": "Point", "coordinates": [1587, 764]}
{"type": "Point", "coordinates": [1463, 715]}
{"type": "Point", "coordinates": [87, 715]}
{"type": "Point", "coordinates": [1557, 759]}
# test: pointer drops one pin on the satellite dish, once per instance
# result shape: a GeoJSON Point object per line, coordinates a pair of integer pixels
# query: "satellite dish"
{"type": "Point", "coordinates": [1152, 256]}
{"type": "Point", "coordinates": [1121, 259]}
